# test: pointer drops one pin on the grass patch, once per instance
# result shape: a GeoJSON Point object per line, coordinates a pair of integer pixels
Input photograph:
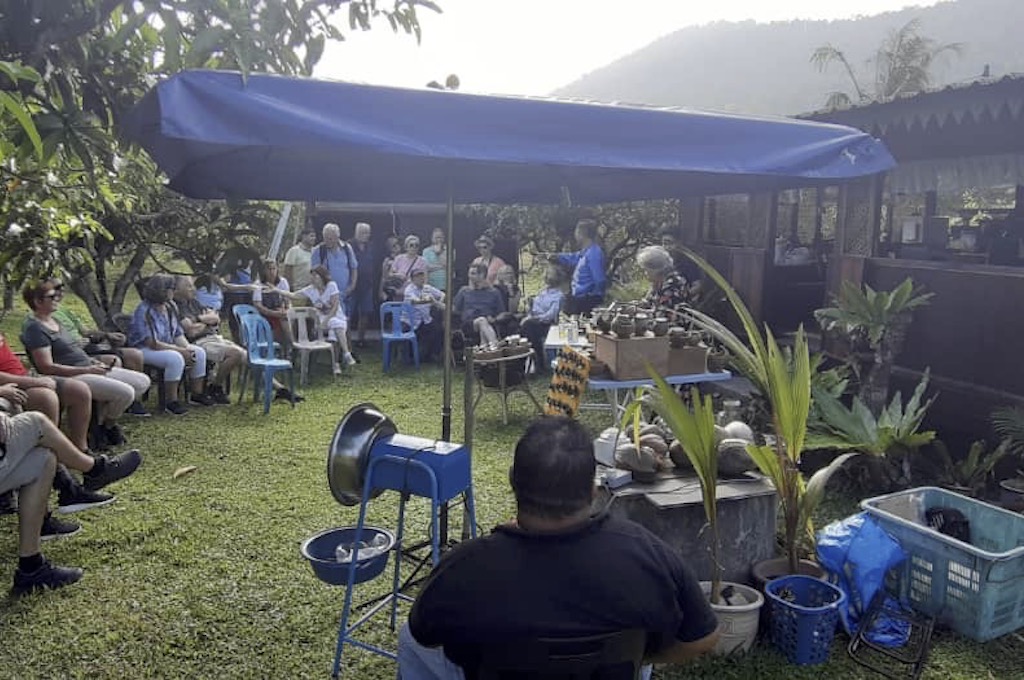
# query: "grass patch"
{"type": "Point", "coordinates": [201, 576]}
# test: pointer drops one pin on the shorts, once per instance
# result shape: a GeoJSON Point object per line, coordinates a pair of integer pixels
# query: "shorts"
{"type": "Point", "coordinates": [216, 347]}
{"type": "Point", "coordinates": [25, 459]}
{"type": "Point", "coordinates": [362, 302]}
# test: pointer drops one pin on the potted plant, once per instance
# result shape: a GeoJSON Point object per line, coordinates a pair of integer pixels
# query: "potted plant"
{"type": "Point", "coordinates": [694, 428]}
{"type": "Point", "coordinates": [876, 321]}
{"type": "Point", "coordinates": [968, 476]}
{"type": "Point", "coordinates": [890, 439]}
{"type": "Point", "coordinates": [783, 377]}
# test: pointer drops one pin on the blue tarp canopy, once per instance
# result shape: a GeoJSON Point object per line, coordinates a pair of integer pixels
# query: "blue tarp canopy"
{"type": "Point", "coordinates": [219, 135]}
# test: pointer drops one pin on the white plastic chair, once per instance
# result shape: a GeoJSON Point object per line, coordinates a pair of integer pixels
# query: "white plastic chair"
{"type": "Point", "coordinates": [298, 320]}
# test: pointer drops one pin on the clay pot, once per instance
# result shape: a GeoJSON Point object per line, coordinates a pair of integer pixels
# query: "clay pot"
{"type": "Point", "coordinates": [660, 326]}
{"type": "Point", "coordinates": [642, 323]}
{"type": "Point", "coordinates": [676, 337]}
{"type": "Point", "coordinates": [603, 320]}
{"type": "Point", "coordinates": [717, 361]}
{"type": "Point", "coordinates": [623, 326]}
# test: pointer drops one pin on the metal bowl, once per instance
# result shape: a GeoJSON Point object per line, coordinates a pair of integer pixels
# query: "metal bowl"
{"type": "Point", "coordinates": [348, 455]}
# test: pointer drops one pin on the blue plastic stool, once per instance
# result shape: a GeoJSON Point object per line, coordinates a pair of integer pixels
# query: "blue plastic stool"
{"type": "Point", "coordinates": [409, 477]}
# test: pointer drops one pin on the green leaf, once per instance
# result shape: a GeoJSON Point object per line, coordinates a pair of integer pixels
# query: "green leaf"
{"type": "Point", "coordinates": [16, 108]}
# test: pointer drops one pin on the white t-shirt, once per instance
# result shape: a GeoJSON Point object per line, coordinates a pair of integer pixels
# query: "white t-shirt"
{"type": "Point", "coordinates": [322, 301]}
{"type": "Point", "coordinates": [300, 260]}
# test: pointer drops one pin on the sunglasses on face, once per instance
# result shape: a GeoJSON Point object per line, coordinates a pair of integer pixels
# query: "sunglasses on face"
{"type": "Point", "coordinates": [54, 294]}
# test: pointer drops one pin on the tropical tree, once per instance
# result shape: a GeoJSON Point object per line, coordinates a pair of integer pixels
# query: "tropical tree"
{"type": "Point", "coordinates": [902, 65]}
{"type": "Point", "coordinates": [71, 194]}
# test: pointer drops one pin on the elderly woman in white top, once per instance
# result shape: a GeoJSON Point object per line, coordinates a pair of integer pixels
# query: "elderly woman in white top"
{"type": "Point", "coordinates": [323, 295]}
{"type": "Point", "coordinates": [425, 299]}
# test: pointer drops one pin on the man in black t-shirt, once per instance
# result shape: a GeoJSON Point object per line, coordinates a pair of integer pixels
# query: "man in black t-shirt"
{"type": "Point", "coordinates": [554, 572]}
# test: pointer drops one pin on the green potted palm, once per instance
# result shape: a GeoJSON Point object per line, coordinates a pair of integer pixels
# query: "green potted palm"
{"type": "Point", "coordinates": [875, 321]}
{"type": "Point", "coordinates": [737, 606]}
{"type": "Point", "coordinates": [783, 377]}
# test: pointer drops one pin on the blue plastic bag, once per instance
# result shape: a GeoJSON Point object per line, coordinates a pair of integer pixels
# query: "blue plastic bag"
{"type": "Point", "coordinates": [857, 553]}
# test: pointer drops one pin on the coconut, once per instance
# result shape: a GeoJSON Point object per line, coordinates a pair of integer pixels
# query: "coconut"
{"type": "Point", "coordinates": [737, 429]}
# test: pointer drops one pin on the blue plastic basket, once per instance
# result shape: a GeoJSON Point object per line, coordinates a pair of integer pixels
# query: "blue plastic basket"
{"type": "Point", "coordinates": [804, 612]}
{"type": "Point", "coordinates": [319, 550]}
{"type": "Point", "coordinates": [975, 588]}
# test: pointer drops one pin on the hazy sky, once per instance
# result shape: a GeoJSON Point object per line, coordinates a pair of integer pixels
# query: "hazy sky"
{"type": "Point", "coordinates": [535, 46]}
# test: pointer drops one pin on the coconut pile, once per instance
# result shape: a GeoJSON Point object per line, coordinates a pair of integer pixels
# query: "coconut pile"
{"type": "Point", "coordinates": [659, 450]}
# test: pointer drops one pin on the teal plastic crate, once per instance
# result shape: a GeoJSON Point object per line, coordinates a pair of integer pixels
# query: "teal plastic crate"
{"type": "Point", "coordinates": [976, 588]}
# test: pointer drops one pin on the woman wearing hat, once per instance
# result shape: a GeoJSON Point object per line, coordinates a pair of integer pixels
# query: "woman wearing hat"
{"type": "Point", "coordinates": [402, 265]}
{"type": "Point", "coordinates": [485, 246]}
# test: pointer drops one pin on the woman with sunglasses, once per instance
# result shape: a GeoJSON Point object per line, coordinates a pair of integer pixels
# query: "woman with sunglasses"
{"type": "Point", "coordinates": [54, 352]}
{"type": "Point", "coordinates": [402, 265]}
{"type": "Point", "coordinates": [485, 246]}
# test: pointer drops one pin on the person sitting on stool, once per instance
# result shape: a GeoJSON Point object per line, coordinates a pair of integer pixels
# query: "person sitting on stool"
{"type": "Point", "coordinates": [555, 571]}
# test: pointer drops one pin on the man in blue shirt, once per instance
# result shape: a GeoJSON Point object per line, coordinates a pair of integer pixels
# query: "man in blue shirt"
{"type": "Point", "coordinates": [588, 279]}
{"type": "Point", "coordinates": [340, 260]}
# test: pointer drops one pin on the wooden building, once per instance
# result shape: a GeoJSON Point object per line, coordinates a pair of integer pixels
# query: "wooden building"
{"type": "Point", "coordinates": [949, 143]}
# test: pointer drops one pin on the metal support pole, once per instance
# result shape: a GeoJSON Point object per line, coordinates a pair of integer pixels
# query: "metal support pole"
{"type": "Point", "coordinates": [446, 407]}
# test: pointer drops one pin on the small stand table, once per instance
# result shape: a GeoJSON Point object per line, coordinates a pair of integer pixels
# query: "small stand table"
{"type": "Point", "coordinates": [507, 382]}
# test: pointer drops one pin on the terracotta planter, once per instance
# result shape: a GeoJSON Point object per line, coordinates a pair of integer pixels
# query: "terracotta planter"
{"type": "Point", "coordinates": [779, 566]}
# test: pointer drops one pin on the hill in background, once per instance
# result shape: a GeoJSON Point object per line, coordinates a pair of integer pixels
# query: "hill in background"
{"type": "Point", "coordinates": [765, 68]}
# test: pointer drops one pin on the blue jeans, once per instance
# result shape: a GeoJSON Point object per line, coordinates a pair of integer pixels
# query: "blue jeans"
{"type": "Point", "coordinates": [416, 662]}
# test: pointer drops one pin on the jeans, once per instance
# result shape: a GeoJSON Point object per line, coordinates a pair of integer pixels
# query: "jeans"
{"type": "Point", "coordinates": [416, 662]}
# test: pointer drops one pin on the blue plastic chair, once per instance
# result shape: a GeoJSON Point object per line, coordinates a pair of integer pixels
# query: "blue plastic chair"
{"type": "Point", "coordinates": [391, 315]}
{"type": "Point", "coordinates": [262, 363]}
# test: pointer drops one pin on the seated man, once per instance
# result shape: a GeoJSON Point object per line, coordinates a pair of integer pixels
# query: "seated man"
{"type": "Point", "coordinates": [478, 306]}
{"type": "Point", "coordinates": [47, 395]}
{"type": "Point", "coordinates": [202, 327]}
{"type": "Point", "coordinates": [425, 300]}
{"type": "Point", "coordinates": [30, 447]}
{"type": "Point", "coordinates": [543, 313]}
{"type": "Point", "coordinates": [555, 571]}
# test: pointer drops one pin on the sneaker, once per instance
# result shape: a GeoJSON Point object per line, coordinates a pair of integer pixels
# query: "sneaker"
{"type": "Point", "coordinates": [8, 503]}
{"type": "Point", "coordinates": [175, 408]}
{"type": "Point", "coordinates": [287, 395]}
{"type": "Point", "coordinates": [218, 395]}
{"type": "Point", "coordinates": [57, 528]}
{"type": "Point", "coordinates": [349, 359]}
{"type": "Point", "coordinates": [98, 438]}
{"type": "Point", "coordinates": [47, 576]}
{"type": "Point", "coordinates": [79, 499]}
{"type": "Point", "coordinates": [138, 410]}
{"type": "Point", "coordinates": [113, 434]}
{"type": "Point", "coordinates": [201, 399]}
{"type": "Point", "coordinates": [111, 469]}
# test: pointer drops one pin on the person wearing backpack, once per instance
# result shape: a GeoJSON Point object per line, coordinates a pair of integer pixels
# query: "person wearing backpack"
{"type": "Point", "coordinates": [339, 259]}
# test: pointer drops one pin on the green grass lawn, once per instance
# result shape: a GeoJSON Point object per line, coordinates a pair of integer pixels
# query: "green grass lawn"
{"type": "Point", "coordinates": [201, 577]}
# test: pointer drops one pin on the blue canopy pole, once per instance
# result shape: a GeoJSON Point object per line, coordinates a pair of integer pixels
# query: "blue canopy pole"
{"type": "Point", "coordinates": [449, 263]}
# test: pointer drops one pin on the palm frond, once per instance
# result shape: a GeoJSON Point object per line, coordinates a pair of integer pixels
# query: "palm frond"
{"type": "Point", "coordinates": [1008, 423]}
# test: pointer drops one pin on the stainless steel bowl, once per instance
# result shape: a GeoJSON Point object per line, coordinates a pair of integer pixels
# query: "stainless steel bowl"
{"type": "Point", "coordinates": [348, 455]}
